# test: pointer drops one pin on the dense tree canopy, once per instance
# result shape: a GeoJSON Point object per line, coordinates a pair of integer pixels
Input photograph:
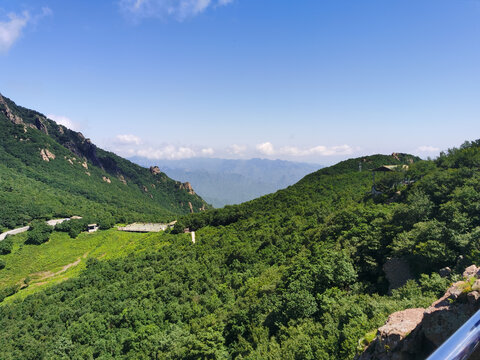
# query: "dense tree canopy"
{"type": "Point", "coordinates": [295, 275]}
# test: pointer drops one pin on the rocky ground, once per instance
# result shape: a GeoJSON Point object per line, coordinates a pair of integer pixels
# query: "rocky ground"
{"type": "Point", "coordinates": [415, 333]}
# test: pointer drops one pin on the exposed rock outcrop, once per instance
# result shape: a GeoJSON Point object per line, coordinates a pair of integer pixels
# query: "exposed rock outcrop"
{"type": "Point", "coordinates": [47, 155]}
{"type": "Point", "coordinates": [188, 187]}
{"type": "Point", "coordinates": [106, 179]}
{"type": "Point", "coordinates": [155, 170]}
{"type": "Point", "coordinates": [395, 156]}
{"type": "Point", "coordinates": [415, 333]}
{"type": "Point", "coordinates": [40, 125]}
{"type": "Point", "coordinates": [191, 207]}
{"type": "Point", "coordinates": [5, 109]}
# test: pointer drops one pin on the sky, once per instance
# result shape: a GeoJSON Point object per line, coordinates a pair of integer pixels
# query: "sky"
{"type": "Point", "coordinates": [310, 80]}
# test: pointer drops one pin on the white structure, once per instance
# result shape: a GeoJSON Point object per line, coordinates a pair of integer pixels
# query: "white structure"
{"type": "Point", "coordinates": [145, 227]}
{"type": "Point", "coordinates": [92, 228]}
{"type": "Point", "coordinates": [193, 236]}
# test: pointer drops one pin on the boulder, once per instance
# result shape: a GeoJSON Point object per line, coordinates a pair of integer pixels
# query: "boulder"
{"type": "Point", "coordinates": [415, 333]}
{"type": "Point", "coordinates": [47, 155]}
{"type": "Point", "coordinates": [470, 271]}
{"type": "Point", "coordinates": [390, 342]}
{"type": "Point", "coordinates": [155, 170]}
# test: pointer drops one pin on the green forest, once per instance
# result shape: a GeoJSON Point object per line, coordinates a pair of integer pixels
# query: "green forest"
{"type": "Point", "coordinates": [298, 274]}
{"type": "Point", "coordinates": [292, 275]}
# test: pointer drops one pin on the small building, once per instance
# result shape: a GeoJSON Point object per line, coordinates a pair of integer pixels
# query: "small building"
{"type": "Point", "coordinates": [144, 227]}
{"type": "Point", "coordinates": [92, 228]}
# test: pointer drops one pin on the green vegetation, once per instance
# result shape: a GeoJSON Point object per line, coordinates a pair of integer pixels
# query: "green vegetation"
{"type": "Point", "coordinates": [63, 257]}
{"type": "Point", "coordinates": [6, 246]}
{"type": "Point", "coordinates": [38, 233]}
{"type": "Point", "coordinates": [293, 275]}
{"type": "Point", "coordinates": [78, 178]}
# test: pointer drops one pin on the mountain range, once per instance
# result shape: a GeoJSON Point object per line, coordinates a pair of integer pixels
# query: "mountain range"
{"type": "Point", "coordinates": [223, 182]}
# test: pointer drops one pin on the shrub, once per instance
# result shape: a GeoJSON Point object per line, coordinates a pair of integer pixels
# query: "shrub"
{"type": "Point", "coordinates": [6, 246]}
{"type": "Point", "coordinates": [2, 264]}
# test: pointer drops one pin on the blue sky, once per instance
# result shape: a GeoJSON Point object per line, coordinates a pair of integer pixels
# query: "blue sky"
{"type": "Point", "coordinates": [309, 80]}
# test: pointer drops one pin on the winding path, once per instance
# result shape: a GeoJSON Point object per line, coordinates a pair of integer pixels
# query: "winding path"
{"type": "Point", "coordinates": [26, 228]}
{"type": "Point", "coordinates": [14, 232]}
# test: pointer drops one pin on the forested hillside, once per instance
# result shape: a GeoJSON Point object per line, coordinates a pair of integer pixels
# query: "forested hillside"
{"type": "Point", "coordinates": [293, 275]}
{"type": "Point", "coordinates": [47, 170]}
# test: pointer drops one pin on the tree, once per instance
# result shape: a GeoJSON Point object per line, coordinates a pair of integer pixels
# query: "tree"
{"type": "Point", "coordinates": [38, 233]}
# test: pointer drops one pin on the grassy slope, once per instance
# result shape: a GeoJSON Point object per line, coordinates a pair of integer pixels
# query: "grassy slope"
{"type": "Point", "coordinates": [62, 258]}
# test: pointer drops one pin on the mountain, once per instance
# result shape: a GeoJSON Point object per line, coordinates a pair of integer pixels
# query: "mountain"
{"type": "Point", "coordinates": [309, 272]}
{"type": "Point", "coordinates": [226, 182]}
{"type": "Point", "coordinates": [47, 170]}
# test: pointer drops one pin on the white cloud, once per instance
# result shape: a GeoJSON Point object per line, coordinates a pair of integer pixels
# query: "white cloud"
{"type": "Point", "coordinates": [166, 152]}
{"type": "Point", "coordinates": [317, 150]}
{"type": "Point", "coordinates": [65, 121]}
{"type": "Point", "coordinates": [237, 149]}
{"type": "Point", "coordinates": [11, 29]}
{"type": "Point", "coordinates": [207, 152]}
{"type": "Point", "coordinates": [428, 149]}
{"type": "Point", "coordinates": [164, 9]}
{"type": "Point", "coordinates": [266, 148]}
{"type": "Point", "coordinates": [128, 139]}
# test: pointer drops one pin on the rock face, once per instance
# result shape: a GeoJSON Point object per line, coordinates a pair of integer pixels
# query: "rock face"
{"type": "Point", "coordinates": [47, 155]}
{"type": "Point", "coordinates": [155, 170]}
{"type": "Point", "coordinates": [188, 187]}
{"type": "Point", "coordinates": [106, 179]}
{"type": "Point", "coordinates": [40, 125]}
{"type": "Point", "coordinates": [8, 113]}
{"type": "Point", "coordinates": [393, 335]}
{"type": "Point", "coordinates": [415, 333]}
{"type": "Point", "coordinates": [397, 272]}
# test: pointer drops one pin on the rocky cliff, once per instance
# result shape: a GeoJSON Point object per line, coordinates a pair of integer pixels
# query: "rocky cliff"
{"type": "Point", "coordinates": [415, 333]}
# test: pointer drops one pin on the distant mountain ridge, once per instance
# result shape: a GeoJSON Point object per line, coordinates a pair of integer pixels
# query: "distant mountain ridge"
{"type": "Point", "coordinates": [228, 181]}
{"type": "Point", "coordinates": [48, 170]}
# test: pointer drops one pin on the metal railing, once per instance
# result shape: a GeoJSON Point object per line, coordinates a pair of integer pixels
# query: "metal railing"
{"type": "Point", "coordinates": [462, 343]}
